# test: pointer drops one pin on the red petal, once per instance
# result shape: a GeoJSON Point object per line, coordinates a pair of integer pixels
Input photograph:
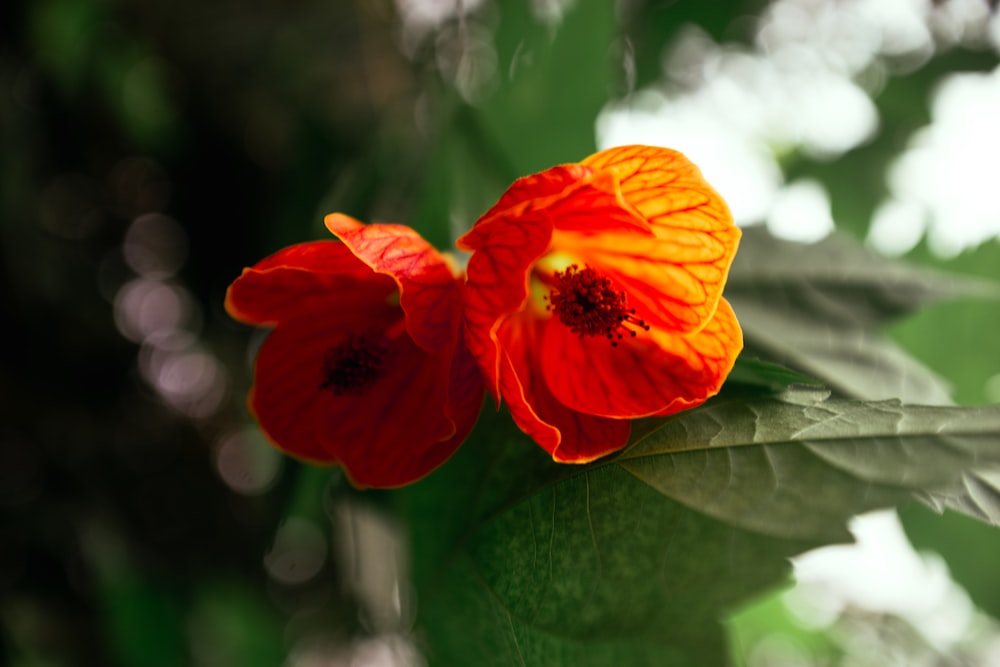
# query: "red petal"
{"type": "Point", "coordinates": [465, 392]}
{"type": "Point", "coordinates": [569, 436]}
{"type": "Point", "coordinates": [304, 280]}
{"type": "Point", "coordinates": [401, 430]}
{"type": "Point", "coordinates": [286, 397]}
{"type": "Point", "coordinates": [656, 372]}
{"type": "Point", "coordinates": [428, 287]}
{"type": "Point", "coordinates": [393, 434]}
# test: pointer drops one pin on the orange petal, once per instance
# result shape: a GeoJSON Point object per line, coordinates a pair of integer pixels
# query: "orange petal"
{"type": "Point", "coordinates": [569, 436]}
{"type": "Point", "coordinates": [526, 194]}
{"type": "Point", "coordinates": [665, 188]}
{"type": "Point", "coordinates": [428, 288]}
{"type": "Point", "coordinates": [392, 434]}
{"type": "Point", "coordinates": [567, 198]}
{"type": "Point", "coordinates": [683, 210]}
{"type": "Point", "coordinates": [496, 284]}
{"type": "Point", "coordinates": [304, 280]}
{"type": "Point", "coordinates": [655, 373]}
{"type": "Point", "coordinates": [677, 283]}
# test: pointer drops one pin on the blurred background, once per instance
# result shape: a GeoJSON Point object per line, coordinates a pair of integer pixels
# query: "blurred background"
{"type": "Point", "coordinates": [151, 150]}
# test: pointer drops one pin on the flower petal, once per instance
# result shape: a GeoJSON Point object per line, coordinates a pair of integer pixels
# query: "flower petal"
{"type": "Point", "coordinates": [569, 436]}
{"type": "Point", "coordinates": [570, 196]}
{"type": "Point", "coordinates": [401, 430]}
{"type": "Point", "coordinates": [676, 282]}
{"type": "Point", "coordinates": [655, 373]}
{"type": "Point", "coordinates": [644, 219]}
{"type": "Point", "coordinates": [529, 193]}
{"type": "Point", "coordinates": [497, 284]}
{"type": "Point", "coordinates": [465, 392]}
{"type": "Point", "coordinates": [664, 187]}
{"type": "Point", "coordinates": [304, 280]}
{"type": "Point", "coordinates": [392, 434]}
{"type": "Point", "coordinates": [428, 288]}
{"type": "Point", "coordinates": [286, 393]}
{"type": "Point", "coordinates": [682, 209]}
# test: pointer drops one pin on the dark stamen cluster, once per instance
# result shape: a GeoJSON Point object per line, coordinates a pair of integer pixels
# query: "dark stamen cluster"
{"type": "Point", "coordinates": [587, 303]}
{"type": "Point", "coordinates": [354, 365]}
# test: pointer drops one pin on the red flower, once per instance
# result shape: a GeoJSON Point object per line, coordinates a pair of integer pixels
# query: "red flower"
{"type": "Point", "coordinates": [593, 297]}
{"type": "Point", "coordinates": [365, 366]}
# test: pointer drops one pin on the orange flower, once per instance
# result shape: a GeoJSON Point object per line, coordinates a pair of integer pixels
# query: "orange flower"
{"type": "Point", "coordinates": [365, 366]}
{"type": "Point", "coordinates": [594, 296]}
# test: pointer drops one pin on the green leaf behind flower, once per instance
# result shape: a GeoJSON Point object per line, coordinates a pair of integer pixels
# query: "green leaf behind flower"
{"type": "Point", "coordinates": [634, 559]}
{"type": "Point", "coordinates": [816, 308]}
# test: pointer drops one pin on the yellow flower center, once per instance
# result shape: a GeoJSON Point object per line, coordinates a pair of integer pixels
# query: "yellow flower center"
{"type": "Point", "coordinates": [587, 302]}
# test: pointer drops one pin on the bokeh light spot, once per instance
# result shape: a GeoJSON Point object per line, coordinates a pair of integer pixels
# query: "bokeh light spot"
{"type": "Point", "coordinates": [801, 212]}
{"type": "Point", "coordinates": [189, 379]}
{"type": "Point", "coordinates": [155, 246]}
{"type": "Point", "coordinates": [298, 554]}
{"type": "Point", "coordinates": [897, 227]}
{"type": "Point", "coordinates": [144, 308]}
{"type": "Point", "coordinates": [246, 462]}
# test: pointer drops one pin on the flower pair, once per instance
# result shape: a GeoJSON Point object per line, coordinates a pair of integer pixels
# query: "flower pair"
{"type": "Point", "coordinates": [592, 297]}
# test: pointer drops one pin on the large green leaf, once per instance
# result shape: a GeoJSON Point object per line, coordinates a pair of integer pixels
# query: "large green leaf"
{"type": "Point", "coordinates": [632, 560]}
{"type": "Point", "coordinates": [815, 308]}
{"type": "Point", "coordinates": [553, 79]}
{"type": "Point", "coordinates": [798, 468]}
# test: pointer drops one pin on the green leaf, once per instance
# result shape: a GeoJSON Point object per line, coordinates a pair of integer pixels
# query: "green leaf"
{"type": "Point", "coordinates": [549, 564]}
{"type": "Point", "coordinates": [553, 80]}
{"type": "Point", "coordinates": [763, 374]}
{"type": "Point", "coordinates": [815, 307]}
{"type": "Point", "coordinates": [798, 467]}
{"type": "Point", "coordinates": [236, 625]}
{"type": "Point", "coordinates": [143, 618]}
{"type": "Point", "coordinates": [634, 559]}
{"type": "Point", "coordinates": [958, 338]}
{"type": "Point", "coordinates": [838, 281]}
{"type": "Point", "coordinates": [465, 175]}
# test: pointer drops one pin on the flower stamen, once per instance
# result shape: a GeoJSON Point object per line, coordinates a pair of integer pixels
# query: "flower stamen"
{"type": "Point", "coordinates": [353, 366]}
{"type": "Point", "coordinates": [587, 303]}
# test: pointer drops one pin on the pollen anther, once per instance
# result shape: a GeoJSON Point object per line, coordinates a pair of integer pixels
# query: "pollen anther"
{"type": "Point", "coordinates": [353, 366]}
{"type": "Point", "coordinates": [586, 302]}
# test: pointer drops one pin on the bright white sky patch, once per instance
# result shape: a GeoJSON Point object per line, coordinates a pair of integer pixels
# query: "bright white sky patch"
{"type": "Point", "coordinates": [951, 166]}
{"type": "Point", "coordinates": [736, 111]}
{"type": "Point", "coordinates": [897, 227]}
{"type": "Point", "coordinates": [883, 573]}
{"type": "Point", "coordinates": [801, 212]}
